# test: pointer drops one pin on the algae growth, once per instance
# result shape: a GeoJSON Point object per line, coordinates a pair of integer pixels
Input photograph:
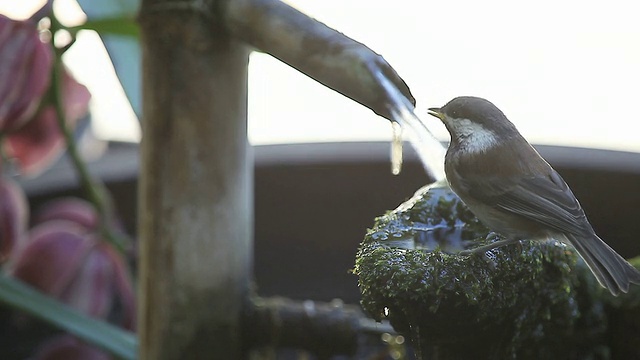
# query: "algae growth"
{"type": "Point", "coordinates": [524, 300]}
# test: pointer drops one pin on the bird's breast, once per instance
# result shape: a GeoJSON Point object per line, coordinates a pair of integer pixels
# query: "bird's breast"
{"type": "Point", "coordinates": [507, 158]}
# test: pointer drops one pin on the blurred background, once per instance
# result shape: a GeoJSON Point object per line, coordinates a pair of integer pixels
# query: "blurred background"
{"type": "Point", "coordinates": [566, 73]}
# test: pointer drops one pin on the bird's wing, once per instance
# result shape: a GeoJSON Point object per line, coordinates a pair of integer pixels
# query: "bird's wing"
{"type": "Point", "coordinates": [545, 199]}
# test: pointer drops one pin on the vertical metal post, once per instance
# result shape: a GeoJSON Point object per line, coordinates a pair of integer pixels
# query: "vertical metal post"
{"type": "Point", "coordinates": [195, 191]}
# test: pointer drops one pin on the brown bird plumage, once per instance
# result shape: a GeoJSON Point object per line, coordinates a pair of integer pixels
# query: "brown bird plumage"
{"type": "Point", "coordinates": [515, 192]}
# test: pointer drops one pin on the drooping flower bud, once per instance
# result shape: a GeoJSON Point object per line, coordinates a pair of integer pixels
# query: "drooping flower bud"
{"type": "Point", "coordinates": [69, 262]}
{"type": "Point", "coordinates": [25, 70]}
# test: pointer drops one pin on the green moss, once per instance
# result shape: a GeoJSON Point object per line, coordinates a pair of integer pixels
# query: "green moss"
{"type": "Point", "coordinates": [524, 300]}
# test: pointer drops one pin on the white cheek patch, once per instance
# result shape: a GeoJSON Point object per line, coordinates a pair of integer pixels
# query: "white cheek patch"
{"type": "Point", "coordinates": [473, 136]}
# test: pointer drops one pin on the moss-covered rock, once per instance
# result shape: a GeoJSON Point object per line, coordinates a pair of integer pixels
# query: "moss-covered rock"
{"type": "Point", "coordinates": [524, 300]}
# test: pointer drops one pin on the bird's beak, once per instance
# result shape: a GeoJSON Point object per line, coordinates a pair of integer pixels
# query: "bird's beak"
{"type": "Point", "coordinates": [436, 112]}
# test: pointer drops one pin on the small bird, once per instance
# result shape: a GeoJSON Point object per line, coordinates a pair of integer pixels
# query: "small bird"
{"type": "Point", "coordinates": [516, 193]}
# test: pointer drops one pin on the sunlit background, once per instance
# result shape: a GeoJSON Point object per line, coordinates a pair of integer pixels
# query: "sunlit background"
{"type": "Point", "coordinates": [566, 73]}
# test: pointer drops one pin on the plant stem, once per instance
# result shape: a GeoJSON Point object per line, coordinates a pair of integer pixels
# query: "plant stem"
{"type": "Point", "coordinates": [94, 189]}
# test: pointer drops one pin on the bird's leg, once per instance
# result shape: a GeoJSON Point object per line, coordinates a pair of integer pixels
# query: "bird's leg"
{"type": "Point", "coordinates": [485, 248]}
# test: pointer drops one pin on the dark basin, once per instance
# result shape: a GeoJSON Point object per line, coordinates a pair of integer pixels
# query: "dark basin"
{"type": "Point", "coordinates": [314, 202]}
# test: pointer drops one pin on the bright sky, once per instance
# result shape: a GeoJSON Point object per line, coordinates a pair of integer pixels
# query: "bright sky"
{"type": "Point", "coordinates": [565, 72]}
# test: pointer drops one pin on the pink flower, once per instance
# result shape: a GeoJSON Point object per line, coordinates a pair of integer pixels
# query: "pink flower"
{"type": "Point", "coordinates": [13, 216]}
{"type": "Point", "coordinates": [66, 347]}
{"type": "Point", "coordinates": [25, 70]}
{"type": "Point", "coordinates": [71, 209]}
{"type": "Point", "coordinates": [65, 258]}
{"type": "Point", "coordinates": [39, 142]}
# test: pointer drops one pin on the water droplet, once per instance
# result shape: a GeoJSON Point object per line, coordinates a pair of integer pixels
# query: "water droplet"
{"type": "Point", "coordinates": [396, 148]}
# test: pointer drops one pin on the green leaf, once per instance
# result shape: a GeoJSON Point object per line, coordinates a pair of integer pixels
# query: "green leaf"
{"type": "Point", "coordinates": [124, 51]}
{"type": "Point", "coordinates": [109, 8]}
{"type": "Point", "coordinates": [110, 338]}
{"type": "Point", "coordinates": [123, 26]}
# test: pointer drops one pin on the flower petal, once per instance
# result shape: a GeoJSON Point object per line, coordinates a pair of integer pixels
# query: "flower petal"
{"type": "Point", "coordinates": [40, 142]}
{"type": "Point", "coordinates": [51, 257]}
{"type": "Point", "coordinates": [125, 293]}
{"type": "Point", "coordinates": [72, 209]}
{"type": "Point", "coordinates": [76, 98]}
{"type": "Point", "coordinates": [66, 347]}
{"type": "Point", "coordinates": [91, 290]}
{"type": "Point", "coordinates": [13, 216]}
{"type": "Point", "coordinates": [25, 70]}
{"type": "Point", "coordinates": [37, 144]}
{"type": "Point", "coordinates": [61, 259]}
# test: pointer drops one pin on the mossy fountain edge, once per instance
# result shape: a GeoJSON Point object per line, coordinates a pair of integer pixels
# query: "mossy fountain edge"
{"type": "Point", "coordinates": [532, 299]}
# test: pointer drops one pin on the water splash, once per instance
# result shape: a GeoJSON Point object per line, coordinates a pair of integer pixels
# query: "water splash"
{"type": "Point", "coordinates": [429, 149]}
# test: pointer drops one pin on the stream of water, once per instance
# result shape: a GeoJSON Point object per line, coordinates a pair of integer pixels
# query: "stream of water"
{"type": "Point", "coordinates": [429, 149]}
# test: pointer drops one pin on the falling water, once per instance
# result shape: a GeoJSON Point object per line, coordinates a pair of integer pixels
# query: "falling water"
{"type": "Point", "coordinates": [429, 149]}
{"type": "Point", "coordinates": [396, 148]}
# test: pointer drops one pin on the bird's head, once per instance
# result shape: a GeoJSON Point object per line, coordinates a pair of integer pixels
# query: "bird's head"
{"type": "Point", "coordinates": [474, 122]}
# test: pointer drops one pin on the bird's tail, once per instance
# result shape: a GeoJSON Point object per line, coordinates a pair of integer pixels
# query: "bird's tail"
{"type": "Point", "coordinates": [612, 270]}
